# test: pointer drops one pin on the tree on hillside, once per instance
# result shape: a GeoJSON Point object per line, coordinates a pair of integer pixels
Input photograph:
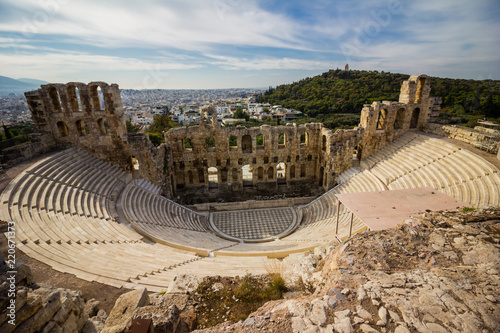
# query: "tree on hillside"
{"type": "Point", "coordinates": [131, 128]}
{"type": "Point", "coordinates": [161, 123]}
{"type": "Point", "coordinates": [240, 114]}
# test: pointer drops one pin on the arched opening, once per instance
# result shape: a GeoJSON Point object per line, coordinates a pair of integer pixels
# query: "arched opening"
{"type": "Point", "coordinates": [234, 174]}
{"type": "Point", "coordinates": [63, 129]}
{"type": "Point", "coordinates": [233, 142]}
{"type": "Point", "coordinates": [94, 92]}
{"type": "Point", "coordinates": [382, 116]}
{"type": "Point", "coordinates": [223, 175]}
{"type": "Point", "coordinates": [356, 155]}
{"type": "Point", "coordinates": [210, 142]}
{"type": "Point", "coordinates": [81, 127]}
{"type": "Point", "coordinates": [134, 163]}
{"type": "Point", "coordinates": [55, 98]}
{"type": "Point", "coordinates": [103, 126]}
{"type": "Point", "coordinates": [247, 173]}
{"type": "Point", "coordinates": [281, 173]}
{"type": "Point", "coordinates": [74, 99]}
{"type": "Point", "coordinates": [292, 172]}
{"type": "Point", "coordinates": [400, 119]}
{"type": "Point", "coordinates": [260, 141]}
{"type": "Point", "coordinates": [270, 173]}
{"type": "Point", "coordinates": [281, 140]}
{"type": "Point", "coordinates": [190, 177]}
{"type": "Point", "coordinates": [304, 139]}
{"type": "Point", "coordinates": [201, 176]}
{"type": "Point", "coordinates": [323, 144]}
{"type": "Point", "coordinates": [213, 177]}
{"type": "Point", "coordinates": [260, 173]}
{"type": "Point", "coordinates": [320, 179]}
{"type": "Point", "coordinates": [187, 144]}
{"type": "Point", "coordinates": [246, 144]}
{"type": "Point", "coordinates": [414, 118]}
{"type": "Point", "coordinates": [420, 90]}
{"type": "Point", "coordinates": [302, 170]}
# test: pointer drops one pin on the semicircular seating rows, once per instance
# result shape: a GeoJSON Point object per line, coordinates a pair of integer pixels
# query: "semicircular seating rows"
{"type": "Point", "coordinates": [66, 210]}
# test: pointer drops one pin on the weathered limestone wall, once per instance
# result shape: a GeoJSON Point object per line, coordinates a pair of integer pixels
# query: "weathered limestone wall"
{"type": "Point", "coordinates": [39, 144]}
{"type": "Point", "coordinates": [479, 137]}
{"type": "Point", "coordinates": [207, 163]}
{"type": "Point", "coordinates": [88, 116]}
{"type": "Point", "coordinates": [251, 165]}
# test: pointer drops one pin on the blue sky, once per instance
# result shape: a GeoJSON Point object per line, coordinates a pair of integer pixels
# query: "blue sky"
{"type": "Point", "coordinates": [244, 43]}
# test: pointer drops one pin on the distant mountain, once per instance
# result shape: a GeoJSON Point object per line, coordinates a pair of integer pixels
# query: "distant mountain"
{"type": "Point", "coordinates": [33, 81]}
{"type": "Point", "coordinates": [10, 85]}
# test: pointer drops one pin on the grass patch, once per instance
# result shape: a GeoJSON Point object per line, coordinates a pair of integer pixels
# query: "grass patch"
{"type": "Point", "coordinates": [233, 299]}
{"type": "Point", "coordinates": [467, 209]}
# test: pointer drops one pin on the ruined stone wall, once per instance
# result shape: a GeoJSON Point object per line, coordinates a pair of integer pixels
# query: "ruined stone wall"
{"type": "Point", "coordinates": [206, 163]}
{"type": "Point", "coordinates": [88, 116]}
{"type": "Point", "coordinates": [478, 137]}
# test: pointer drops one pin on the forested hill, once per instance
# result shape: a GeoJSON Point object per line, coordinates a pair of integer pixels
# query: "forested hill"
{"type": "Point", "coordinates": [338, 91]}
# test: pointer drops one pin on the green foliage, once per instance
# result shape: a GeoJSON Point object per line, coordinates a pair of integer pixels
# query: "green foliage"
{"type": "Point", "coordinates": [233, 141]}
{"type": "Point", "coordinates": [161, 123]}
{"type": "Point", "coordinates": [6, 132]}
{"type": "Point", "coordinates": [210, 141]}
{"type": "Point", "coordinates": [467, 209]}
{"type": "Point", "coordinates": [338, 91]}
{"type": "Point", "coordinates": [241, 296]}
{"type": "Point", "coordinates": [187, 143]}
{"type": "Point", "coordinates": [240, 114]}
{"type": "Point", "coordinates": [260, 140]}
{"type": "Point", "coordinates": [156, 138]}
{"type": "Point", "coordinates": [131, 128]}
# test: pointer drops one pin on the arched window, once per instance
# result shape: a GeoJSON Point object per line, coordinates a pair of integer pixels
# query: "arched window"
{"type": "Point", "coordinates": [213, 177]}
{"type": "Point", "coordinates": [63, 129]}
{"type": "Point", "coordinates": [400, 119]}
{"type": "Point", "coordinates": [292, 171]}
{"type": "Point", "coordinates": [260, 141]}
{"type": "Point", "coordinates": [260, 173]}
{"type": "Point", "coordinates": [82, 128]}
{"type": "Point", "coordinates": [247, 174]}
{"type": "Point", "coordinates": [281, 140]}
{"type": "Point", "coordinates": [55, 98]}
{"type": "Point", "coordinates": [187, 144]}
{"type": "Point", "coordinates": [246, 144]}
{"type": "Point", "coordinates": [223, 175]}
{"type": "Point", "coordinates": [304, 139]}
{"type": "Point", "coordinates": [95, 100]}
{"type": "Point", "coordinates": [233, 142]}
{"type": "Point", "coordinates": [281, 173]}
{"type": "Point", "coordinates": [190, 177]}
{"type": "Point", "coordinates": [302, 170]}
{"type": "Point", "coordinates": [74, 99]}
{"type": "Point", "coordinates": [270, 173]}
{"type": "Point", "coordinates": [382, 116]}
{"type": "Point", "coordinates": [103, 126]}
{"type": "Point", "coordinates": [321, 172]}
{"type": "Point", "coordinates": [414, 118]}
{"type": "Point", "coordinates": [201, 176]}
{"type": "Point", "coordinates": [210, 142]}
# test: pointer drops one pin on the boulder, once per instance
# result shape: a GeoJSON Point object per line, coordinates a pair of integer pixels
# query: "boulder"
{"type": "Point", "coordinates": [120, 317]}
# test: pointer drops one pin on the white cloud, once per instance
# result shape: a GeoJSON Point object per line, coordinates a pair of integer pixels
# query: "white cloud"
{"type": "Point", "coordinates": [234, 63]}
{"type": "Point", "coordinates": [64, 64]}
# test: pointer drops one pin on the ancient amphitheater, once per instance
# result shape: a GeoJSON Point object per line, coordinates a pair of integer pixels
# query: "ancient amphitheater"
{"type": "Point", "coordinates": [99, 204]}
